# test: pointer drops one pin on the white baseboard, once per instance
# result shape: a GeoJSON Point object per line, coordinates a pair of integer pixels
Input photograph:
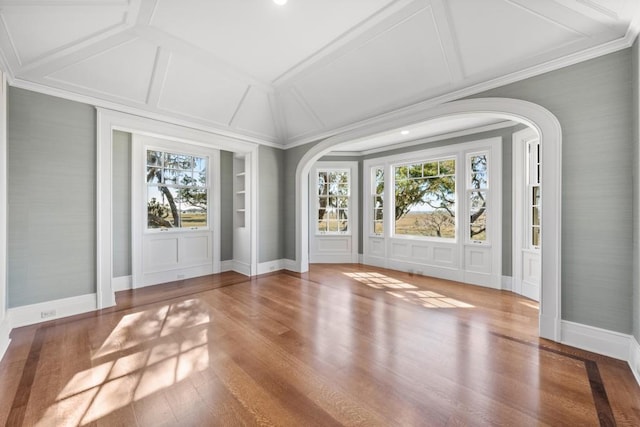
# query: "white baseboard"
{"type": "Point", "coordinates": [30, 314]}
{"type": "Point", "coordinates": [291, 265]}
{"type": "Point", "coordinates": [5, 340]}
{"type": "Point", "coordinates": [507, 283]}
{"type": "Point", "coordinates": [597, 340]}
{"type": "Point", "coordinates": [333, 258]}
{"type": "Point", "coordinates": [270, 266]}
{"type": "Point", "coordinates": [242, 268]}
{"type": "Point", "coordinates": [226, 266]}
{"type": "Point", "coordinates": [634, 358]}
{"type": "Point", "coordinates": [122, 283]}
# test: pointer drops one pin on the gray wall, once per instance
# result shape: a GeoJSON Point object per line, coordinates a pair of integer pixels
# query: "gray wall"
{"type": "Point", "coordinates": [507, 177]}
{"type": "Point", "coordinates": [636, 188]}
{"type": "Point", "coordinates": [271, 195]}
{"type": "Point", "coordinates": [121, 170]}
{"type": "Point", "coordinates": [51, 198]}
{"type": "Point", "coordinates": [593, 102]}
{"type": "Point", "coordinates": [226, 205]}
{"type": "Point", "coordinates": [292, 157]}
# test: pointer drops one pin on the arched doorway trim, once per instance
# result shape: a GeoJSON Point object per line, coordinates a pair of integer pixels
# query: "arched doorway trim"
{"type": "Point", "coordinates": [539, 118]}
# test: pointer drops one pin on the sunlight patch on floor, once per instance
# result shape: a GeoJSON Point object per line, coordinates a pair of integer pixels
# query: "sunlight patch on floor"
{"type": "Point", "coordinates": [406, 291]}
{"type": "Point", "coordinates": [146, 352]}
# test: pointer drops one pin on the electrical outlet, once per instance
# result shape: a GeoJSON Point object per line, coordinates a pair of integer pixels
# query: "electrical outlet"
{"type": "Point", "coordinates": [47, 314]}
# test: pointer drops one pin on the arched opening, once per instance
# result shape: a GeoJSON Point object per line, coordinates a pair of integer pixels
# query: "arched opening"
{"type": "Point", "coordinates": [533, 115]}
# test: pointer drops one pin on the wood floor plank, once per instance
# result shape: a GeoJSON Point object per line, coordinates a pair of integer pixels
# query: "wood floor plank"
{"type": "Point", "coordinates": [340, 345]}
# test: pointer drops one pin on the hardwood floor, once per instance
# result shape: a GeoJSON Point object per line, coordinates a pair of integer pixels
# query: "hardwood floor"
{"type": "Point", "coordinates": [340, 345]}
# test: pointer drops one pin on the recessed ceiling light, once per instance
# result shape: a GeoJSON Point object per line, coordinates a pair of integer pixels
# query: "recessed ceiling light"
{"type": "Point", "coordinates": [280, 2]}
{"type": "Point", "coordinates": [405, 132]}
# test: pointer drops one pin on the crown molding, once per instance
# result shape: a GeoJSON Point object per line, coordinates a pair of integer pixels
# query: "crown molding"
{"type": "Point", "coordinates": [553, 65]}
{"type": "Point", "coordinates": [427, 140]}
{"type": "Point", "coordinates": [97, 102]}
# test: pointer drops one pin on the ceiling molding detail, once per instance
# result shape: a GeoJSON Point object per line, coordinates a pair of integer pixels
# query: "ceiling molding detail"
{"type": "Point", "coordinates": [286, 76]}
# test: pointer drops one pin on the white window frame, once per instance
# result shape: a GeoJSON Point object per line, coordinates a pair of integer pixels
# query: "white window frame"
{"type": "Point", "coordinates": [326, 168]}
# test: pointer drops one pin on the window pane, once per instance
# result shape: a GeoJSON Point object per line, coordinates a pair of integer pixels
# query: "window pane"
{"type": "Point", "coordinates": [154, 158]}
{"type": "Point", "coordinates": [536, 196]}
{"type": "Point", "coordinates": [415, 171]}
{"type": "Point", "coordinates": [193, 207]}
{"type": "Point", "coordinates": [177, 177]}
{"type": "Point", "coordinates": [162, 207]}
{"type": "Point", "coordinates": [377, 227]}
{"type": "Point", "coordinates": [426, 206]}
{"type": "Point", "coordinates": [447, 167]}
{"type": "Point", "coordinates": [535, 236]}
{"type": "Point", "coordinates": [154, 174]}
{"type": "Point", "coordinates": [478, 216]}
{"type": "Point", "coordinates": [535, 218]}
{"type": "Point", "coordinates": [322, 183]}
{"type": "Point", "coordinates": [178, 161]}
{"type": "Point", "coordinates": [479, 171]}
{"type": "Point", "coordinates": [431, 169]}
{"type": "Point", "coordinates": [401, 173]}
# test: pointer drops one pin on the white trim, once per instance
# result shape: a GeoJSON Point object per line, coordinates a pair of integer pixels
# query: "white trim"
{"type": "Point", "coordinates": [354, 185]}
{"type": "Point", "coordinates": [270, 266]}
{"type": "Point", "coordinates": [290, 265]}
{"type": "Point", "coordinates": [4, 333]}
{"type": "Point", "coordinates": [122, 283]}
{"type": "Point", "coordinates": [139, 233]}
{"type": "Point", "coordinates": [634, 358]}
{"type": "Point", "coordinates": [556, 64]}
{"type": "Point", "coordinates": [144, 114]}
{"type": "Point", "coordinates": [507, 283]}
{"type": "Point", "coordinates": [242, 268]}
{"type": "Point", "coordinates": [533, 115]}
{"type": "Point", "coordinates": [596, 340]}
{"type": "Point", "coordinates": [420, 141]}
{"type": "Point", "coordinates": [30, 314]}
{"type": "Point", "coordinates": [226, 265]}
{"type": "Point", "coordinates": [107, 121]}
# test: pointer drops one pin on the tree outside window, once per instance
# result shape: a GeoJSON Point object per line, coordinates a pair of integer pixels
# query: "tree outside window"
{"type": "Point", "coordinates": [425, 199]}
{"type": "Point", "coordinates": [177, 190]}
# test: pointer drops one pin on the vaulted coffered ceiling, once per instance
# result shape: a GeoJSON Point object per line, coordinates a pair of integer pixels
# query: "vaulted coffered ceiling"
{"type": "Point", "coordinates": [285, 75]}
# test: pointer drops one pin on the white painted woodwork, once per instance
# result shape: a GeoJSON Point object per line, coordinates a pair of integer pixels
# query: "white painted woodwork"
{"type": "Point", "coordinates": [527, 268]}
{"type": "Point", "coordinates": [334, 248]}
{"type": "Point", "coordinates": [4, 329]}
{"type": "Point", "coordinates": [454, 259]}
{"type": "Point", "coordinates": [242, 248]}
{"type": "Point", "coordinates": [129, 83]}
{"type": "Point", "coordinates": [539, 118]}
{"type": "Point", "coordinates": [289, 75]}
{"type": "Point", "coordinates": [164, 255]}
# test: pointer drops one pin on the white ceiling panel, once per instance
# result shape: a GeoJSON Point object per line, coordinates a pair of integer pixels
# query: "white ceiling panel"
{"type": "Point", "coordinates": [516, 34]}
{"type": "Point", "coordinates": [299, 121]}
{"type": "Point", "coordinates": [258, 36]}
{"type": "Point", "coordinates": [34, 35]}
{"type": "Point", "coordinates": [194, 89]}
{"type": "Point", "coordinates": [123, 71]}
{"type": "Point", "coordinates": [254, 114]}
{"type": "Point", "coordinates": [306, 70]}
{"type": "Point", "coordinates": [400, 64]}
